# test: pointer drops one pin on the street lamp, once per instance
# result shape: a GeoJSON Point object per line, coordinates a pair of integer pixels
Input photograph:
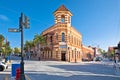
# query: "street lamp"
{"type": "Point", "coordinates": [23, 23]}
{"type": "Point", "coordinates": [119, 45]}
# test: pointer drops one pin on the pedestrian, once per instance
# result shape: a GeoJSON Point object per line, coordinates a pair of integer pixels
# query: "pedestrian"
{"type": "Point", "coordinates": [39, 58]}
{"type": "Point", "coordinates": [28, 55]}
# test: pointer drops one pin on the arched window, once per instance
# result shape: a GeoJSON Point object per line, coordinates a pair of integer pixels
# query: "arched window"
{"type": "Point", "coordinates": [63, 37]}
{"type": "Point", "coordinates": [74, 40]}
{"type": "Point", "coordinates": [51, 39]}
{"type": "Point", "coordinates": [56, 37]}
{"type": "Point", "coordinates": [62, 18]}
{"type": "Point", "coordinates": [69, 37]}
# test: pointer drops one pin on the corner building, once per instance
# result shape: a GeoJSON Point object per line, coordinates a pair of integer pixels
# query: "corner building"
{"type": "Point", "coordinates": [63, 41]}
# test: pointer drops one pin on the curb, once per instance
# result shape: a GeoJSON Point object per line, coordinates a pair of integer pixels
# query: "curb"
{"type": "Point", "coordinates": [6, 78]}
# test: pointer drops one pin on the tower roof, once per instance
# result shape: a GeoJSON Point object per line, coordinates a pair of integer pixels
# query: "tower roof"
{"type": "Point", "coordinates": [62, 8]}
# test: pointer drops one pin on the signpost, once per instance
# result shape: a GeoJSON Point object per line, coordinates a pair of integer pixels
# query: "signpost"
{"type": "Point", "coordinates": [23, 23]}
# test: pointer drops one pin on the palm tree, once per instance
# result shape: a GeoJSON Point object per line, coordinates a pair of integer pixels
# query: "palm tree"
{"type": "Point", "coordinates": [39, 41]}
{"type": "Point", "coordinates": [1, 40]}
{"type": "Point", "coordinates": [16, 51]}
{"type": "Point", "coordinates": [6, 50]}
{"type": "Point", "coordinates": [29, 45]}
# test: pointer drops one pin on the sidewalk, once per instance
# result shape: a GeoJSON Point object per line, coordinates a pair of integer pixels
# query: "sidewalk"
{"type": "Point", "coordinates": [117, 69]}
{"type": "Point", "coordinates": [115, 66]}
{"type": "Point", "coordinates": [13, 78]}
{"type": "Point", "coordinates": [8, 78]}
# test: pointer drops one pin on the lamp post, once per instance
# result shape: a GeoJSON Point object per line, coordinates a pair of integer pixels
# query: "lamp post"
{"type": "Point", "coordinates": [23, 23]}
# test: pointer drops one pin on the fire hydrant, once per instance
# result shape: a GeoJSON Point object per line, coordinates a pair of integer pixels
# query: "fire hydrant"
{"type": "Point", "coordinates": [17, 74]}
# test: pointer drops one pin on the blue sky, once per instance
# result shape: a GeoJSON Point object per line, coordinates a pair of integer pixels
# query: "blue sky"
{"type": "Point", "coordinates": [97, 20]}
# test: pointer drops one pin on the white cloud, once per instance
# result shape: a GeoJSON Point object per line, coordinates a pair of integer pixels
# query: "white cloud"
{"type": "Point", "coordinates": [3, 17]}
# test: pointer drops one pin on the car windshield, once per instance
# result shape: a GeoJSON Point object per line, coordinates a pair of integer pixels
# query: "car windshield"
{"type": "Point", "coordinates": [3, 62]}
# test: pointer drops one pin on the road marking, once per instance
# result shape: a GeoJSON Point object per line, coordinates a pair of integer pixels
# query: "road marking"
{"type": "Point", "coordinates": [27, 77]}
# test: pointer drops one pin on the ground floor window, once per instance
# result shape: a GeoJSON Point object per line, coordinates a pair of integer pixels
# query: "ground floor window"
{"type": "Point", "coordinates": [56, 54]}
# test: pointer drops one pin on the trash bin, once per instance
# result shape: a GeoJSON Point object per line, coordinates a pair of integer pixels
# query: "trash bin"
{"type": "Point", "coordinates": [14, 67]}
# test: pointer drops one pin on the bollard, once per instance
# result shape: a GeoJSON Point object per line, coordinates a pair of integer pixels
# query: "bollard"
{"type": "Point", "coordinates": [17, 74]}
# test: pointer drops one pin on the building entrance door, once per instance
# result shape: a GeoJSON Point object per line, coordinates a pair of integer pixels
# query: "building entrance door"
{"type": "Point", "coordinates": [63, 56]}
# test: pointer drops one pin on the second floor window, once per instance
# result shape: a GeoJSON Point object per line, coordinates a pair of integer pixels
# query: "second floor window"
{"type": "Point", "coordinates": [56, 37]}
{"type": "Point", "coordinates": [63, 37]}
{"type": "Point", "coordinates": [63, 19]}
{"type": "Point", "coordinates": [51, 39]}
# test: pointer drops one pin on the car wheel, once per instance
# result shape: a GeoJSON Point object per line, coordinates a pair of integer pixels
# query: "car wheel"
{"type": "Point", "coordinates": [2, 68]}
{"type": "Point", "coordinates": [6, 67]}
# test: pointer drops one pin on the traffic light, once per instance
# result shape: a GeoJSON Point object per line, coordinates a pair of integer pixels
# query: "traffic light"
{"type": "Point", "coordinates": [119, 45]}
{"type": "Point", "coordinates": [21, 21]}
{"type": "Point", "coordinates": [27, 22]}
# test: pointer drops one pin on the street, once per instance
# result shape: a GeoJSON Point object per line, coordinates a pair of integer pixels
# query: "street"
{"type": "Point", "coordinates": [57, 70]}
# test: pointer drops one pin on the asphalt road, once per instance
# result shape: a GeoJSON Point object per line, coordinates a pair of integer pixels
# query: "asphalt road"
{"type": "Point", "coordinates": [57, 70]}
{"type": "Point", "coordinates": [49, 70]}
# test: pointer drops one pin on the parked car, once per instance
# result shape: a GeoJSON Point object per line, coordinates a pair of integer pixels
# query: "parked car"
{"type": "Point", "coordinates": [87, 59]}
{"type": "Point", "coordinates": [3, 66]}
{"type": "Point", "coordinates": [98, 59]}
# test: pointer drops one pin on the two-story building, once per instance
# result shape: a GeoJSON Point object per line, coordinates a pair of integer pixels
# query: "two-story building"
{"type": "Point", "coordinates": [64, 42]}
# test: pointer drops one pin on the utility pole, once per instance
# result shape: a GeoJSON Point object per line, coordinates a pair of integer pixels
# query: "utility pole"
{"type": "Point", "coordinates": [22, 76]}
{"type": "Point", "coordinates": [23, 23]}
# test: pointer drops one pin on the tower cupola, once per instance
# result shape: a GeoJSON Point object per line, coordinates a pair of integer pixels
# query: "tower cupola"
{"type": "Point", "coordinates": [62, 15]}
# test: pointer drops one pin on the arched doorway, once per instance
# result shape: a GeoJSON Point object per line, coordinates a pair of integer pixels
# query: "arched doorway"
{"type": "Point", "coordinates": [63, 55]}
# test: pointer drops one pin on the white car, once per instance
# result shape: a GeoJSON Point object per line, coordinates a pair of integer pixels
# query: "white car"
{"type": "Point", "coordinates": [3, 66]}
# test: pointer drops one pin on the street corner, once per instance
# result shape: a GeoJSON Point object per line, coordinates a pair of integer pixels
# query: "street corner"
{"type": "Point", "coordinates": [6, 77]}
